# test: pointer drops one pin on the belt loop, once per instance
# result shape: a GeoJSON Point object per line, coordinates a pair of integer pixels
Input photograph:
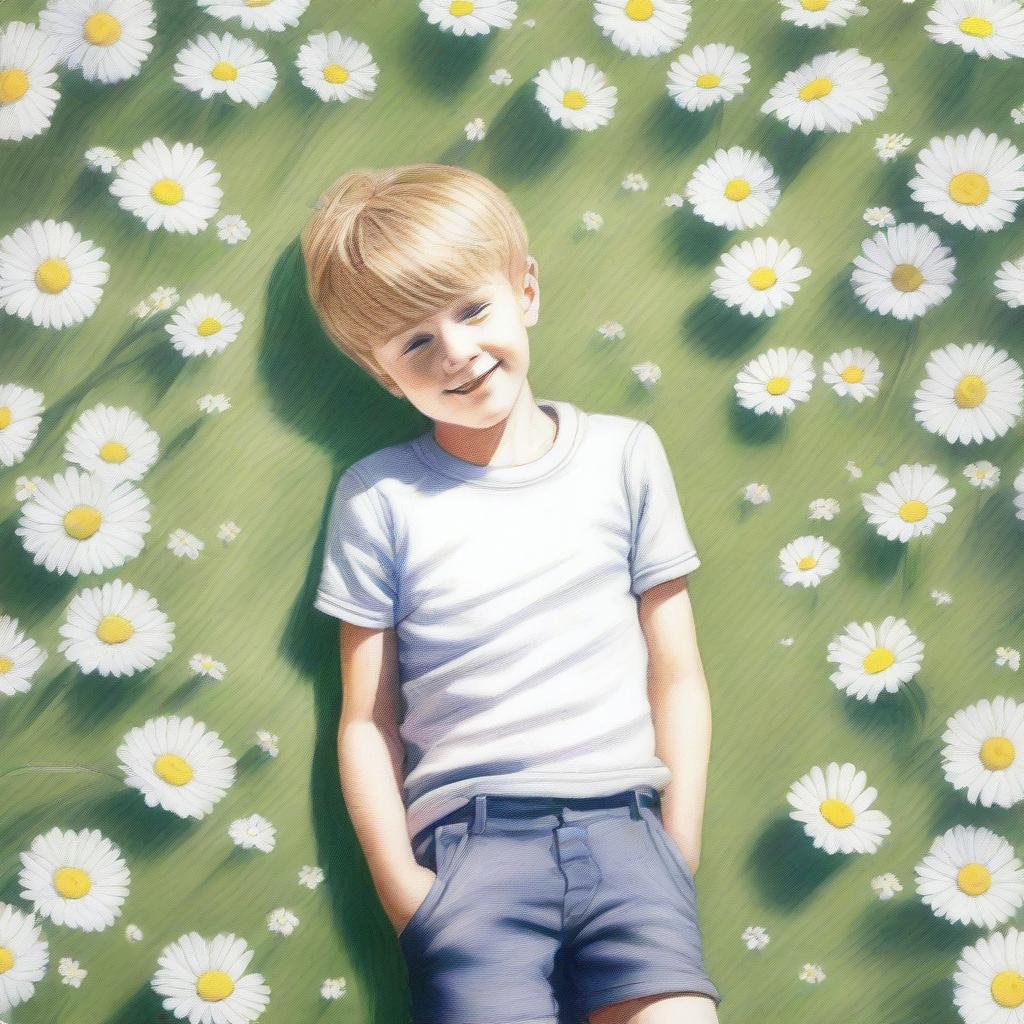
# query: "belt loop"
{"type": "Point", "coordinates": [634, 805]}
{"type": "Point", "coordinates": [479, 815]}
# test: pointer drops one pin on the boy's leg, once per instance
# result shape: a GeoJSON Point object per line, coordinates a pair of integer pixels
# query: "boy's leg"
{"type": "Point", "coordinates": [678, 1008]}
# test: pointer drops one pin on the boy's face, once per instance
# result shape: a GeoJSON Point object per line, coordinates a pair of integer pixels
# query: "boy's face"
{"type": "Point", "coordinates": [484, 332]}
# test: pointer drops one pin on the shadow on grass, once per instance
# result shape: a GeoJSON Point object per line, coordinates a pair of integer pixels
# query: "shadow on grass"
{"type": "Point", "coordinates": [906, 923]}
{"type": "Point", "coordinates": [750, 428]}
{"type": "Point", "coordinates": [144, 1005]}
{"type": "Point", "coordinates": [875, 557]}
{"type": "Point", "coordinates": [951, 807]}
{"type": "Point", "coordinates": [443, 63]}
{"type": "Point", "coordinates": [719, 331]}
{"type": "Point", "coordinates": [897, 718]}
{"type": "Point", "coordinates": [142, 832]}
{"type": "Point", "coordinates": [692, 241]}
{"type": "Point", "coordinates": [676, 131]}
{"type": "Point", "coordinates": [524, 142]}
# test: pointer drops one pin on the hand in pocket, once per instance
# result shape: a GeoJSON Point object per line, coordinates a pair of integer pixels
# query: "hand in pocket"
{"type": "Point", "coordinates": [414, 893]}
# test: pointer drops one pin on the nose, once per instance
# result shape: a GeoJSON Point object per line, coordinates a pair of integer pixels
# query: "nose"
{"type": "Point", "coordinates": [458, 346]}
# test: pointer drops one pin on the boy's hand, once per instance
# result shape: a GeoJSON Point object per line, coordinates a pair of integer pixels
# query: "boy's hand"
{"type": "Point", "coordinates": [402, 908]}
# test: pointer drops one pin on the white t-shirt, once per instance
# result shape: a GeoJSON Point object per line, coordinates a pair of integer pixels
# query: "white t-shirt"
{"type": "Point", "coordinates": [513, 593]}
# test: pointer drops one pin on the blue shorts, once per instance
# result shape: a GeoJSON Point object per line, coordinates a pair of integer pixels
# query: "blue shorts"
{"type": "Point", "coordinates": [545, 909]}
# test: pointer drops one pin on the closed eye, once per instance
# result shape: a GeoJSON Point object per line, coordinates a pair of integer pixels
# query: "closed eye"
{"type": "Point", "coordinates": [468, 314]}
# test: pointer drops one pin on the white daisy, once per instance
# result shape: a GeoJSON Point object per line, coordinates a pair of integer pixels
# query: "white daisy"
{"type": "Point", "coordinates": [874, 659]}
{"type": "Point", "coordinates": [76, 879]}
{"type": "Point", "coordinates": [262, 15]}
{"type": "Point", "coordinates": [500, 76]}
{"type": "Point", "coordinates": [133, 933]}
{"type": "Point", "coordinates": [1017, 114]}
{"type": "Point", "coordinates": [988, 28]}
{"type": "Point", "coordinates": [476, 130]}
{"type": "Point", "coordinates": [24, 953]}
{"type": "Point", "coordinates": [941, 597]}
{"type": "Point", "coordinates": [115, 629]}
{"type": "Point", "coordinates": [336, 67]}
{"type": "Point", "coordinates": [102, 158]}
{"type": "Point", "coordinates": [27, 97]}
{"type": "Point", "coordinates": [757, 494]}
{"type": "Point", "coordinates": [168, 187]}
{"type": "Point", "coordinates": [268, 742]}
{"type": "Point", "coordinates": [232, 229]}
{"type": "Point", "coordinates": [823, 508]}
{"type": "Point", "coordinates": [755, 937]}
{"type": "Point", "coordinates": [807, 561]}
{"type": "Point", "coordinates": [854, 372]}
{"type": "Point", "coordinates": [983, 751]}
{"type": "Point", "coordinates": [971, 876]}
{"type": "Point", "coordinates": [184, 544]}
{"type": "Point", "coordinates": [971, 393]}
{"type": "Point", "coordinates": [775, 381]}
{"type": "Point", "coordinates": [282, 921]}
{"type": "Point", "coordinates": [611, 330]}
{"type": "Point", "coordinates": [592, 221]}
{"type": "Point", "coordinates": [228, 531]}
{"type": "Point", "coordinates": [886, 886]}
{"type": "Point", "coordinates": [911, 503]}
{"type": "Point", "coordinates": [647, 373]}
{"type": "Point", "coordinates": [988, 986]}
{"type": "Point", "coordinates": [759, 276]}
{"type": "Point", "coordinates": [71, 972]}
{"type": "Point", "coordinates": [332, 988]}
{"type": "Point", "coordinates": [644, 27]}
{"type": "Point", "coordinates": [982, 474]}
{"type": "Point", "coordinates": [214, 403]}
{"type": "Point", "coordinates": [675, 199]}
{"type": "Point", "coordinates": [835, 808]}
{"type": "Point", "coordinates": [212, 64]}
{"type": "Point", "coordinates": [576, 94]}
{"type": "Point", "coordinates": [786, 641]}
{"type": "Point", "coordinates": [879, 216]}
{"type": "Point", "coordinates": [116, 444]}
{"type": "Point", "coordinates": [833, 92]}
{"type": "Point", "coordinates": [634, 182]}
{"type": "Point", "coordinates": [21, 412]}
{"type": "Point", "coordinates": [177, 764]}
{"type": "Point", "coordinates": [253, 832]}
{"type": "Point", "coordinates": [1010, 282]}
{"type": "Point", "coordinates": [81, 522]}
{"type": "Point", "coordinates": [26, 486]}
{"type": "Point", "coordinates": [975, 180]}
{"type": "Point", "coordinates": [820, 13]}
{"type": "Point", "coordinates": [734, 188]}
{"type": "Point", "coordinates": [310, 875]}
{"type": "Point", "coordinates": [714, 73]}
{"type": "Point", "coordinates": [204, 325]}
{"type": "Point", "coordinates": [20, 657]}
{"type": "Point", "coordinates": [1008, 656]}
{"type": "Point", "coordinates": [812, 974]}
{"type": "Point", "coordinates": [108, 39]}
{"type": "Point", "coordinates": [469, 17]}
{"type": "Point", "coordinates": [50, 274]}
{"type": "Point", "coordinates": [1018, 500]}
{"type": "Point", "coordinates": [903, 271]}
{"type": "Point", "coordinates": [891, 144]}
{"type": "Point", "coordinates": [206, 982]}
{"type": "Point", "coordinates": [206, 665]}
{"type": "Point", "coordinates": [164, 297]}
{"type": "Point", "coordinates": [854, 470]}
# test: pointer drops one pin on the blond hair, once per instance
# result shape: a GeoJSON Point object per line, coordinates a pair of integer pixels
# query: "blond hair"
{"type": "Point", "coordinates": [386, 249]}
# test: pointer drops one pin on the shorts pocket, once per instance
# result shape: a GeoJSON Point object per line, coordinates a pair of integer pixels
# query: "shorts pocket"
{"type": "Point", "coordinates": [673, 859]}
{"type": "Point", "coordinates": [450, 843]}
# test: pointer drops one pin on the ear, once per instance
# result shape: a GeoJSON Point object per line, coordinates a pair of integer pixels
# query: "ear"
{"type": "Point", "coordinates": [531, 293]}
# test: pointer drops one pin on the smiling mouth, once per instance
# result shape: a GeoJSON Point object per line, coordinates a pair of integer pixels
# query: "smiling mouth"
{"type": "Point", "coordinates": [474, 384]}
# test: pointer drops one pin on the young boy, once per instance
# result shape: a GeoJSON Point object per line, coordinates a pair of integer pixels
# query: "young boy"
{"type": "Point", "coordinates": [525, 726]}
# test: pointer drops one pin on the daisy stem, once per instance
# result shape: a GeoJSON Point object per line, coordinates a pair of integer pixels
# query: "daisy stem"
{"type": "Point", "coordinates": [910, 346]}
{"type": "Point", "coordinates": [59, 768]}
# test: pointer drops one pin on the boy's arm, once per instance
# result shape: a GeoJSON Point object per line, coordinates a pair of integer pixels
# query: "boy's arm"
{"type": "Point", "coordinates": [680, 709]}
{"type": "Point", "coordinates": [371, 762]}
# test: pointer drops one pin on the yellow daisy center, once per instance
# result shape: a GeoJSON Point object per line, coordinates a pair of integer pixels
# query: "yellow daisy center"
{"type": "Point", "coordinates": [101, 29]}
{"type": "Point", "coordinates": [208, 326]}
{"type": "Point", "coordinates": [737, 189]}
{"type": "Point", "coordinates": [114, 629]}
{"type": "Point", "coordinates": [213, 986]}
{"type": "Point", "coordinates": [905, 277]}
{"type": "Point", "coordinates": [807, 562]}
{"type": "Point", "coordinates": [777, 386]}
{"type": "Point", "coordinates": [5, 416]}
{"type": "Point", "coordinates": [335, 74]}
{"type": "Point", "coordinates": [837, 813]}
{"type": "Point", "coordinates": [5, 666]}
{"type": "Point", "coordinates": [852, 374]}
{"type": "Point", "coordinates": [913, 511]}
{"type": "Point", "coordinates": [762, 278]}
{"type": "Point", "coordinates": [816, 90]}
{"type": "Point", "coordinates": [82, 522]}
{"type": "Point", "coordinates": [224, 71]}
{"type": "Point", "coordinates": [970, 392]}
{"type": "Point", "coordinates": [71, 883]}
{"type": "Point", "coordinates": [258, 3]}
{"type": "Point", "coordinates": [460, 8]}
{"type": "Point", "coordinates": [974, 26]}
{"type": "Point", "coordinates": [113, 451]}
{"type": "Point", "coordinates": [814, 5]}
{"type": "Point", "coordinates": [639, 10]}
{"type": "Point", "coordinates": [173, 769]}
{"type": "Point", "coordinates": [52, 276]}
{"type": "Point", "coordinates": [973, 879]}
{"type": "Point", "coordinates": [708, 80]}
{"type": "Point", "coordinates": [13, 85]}
{"type": "Point", "coordinates": [968, 188]}
{"type": "Point", "coordinates": [1008, 989]}
{"type": "Point", "coordinates": [878, 660]}
{"type": "Point", "coordinates": [997, 753]}
{"type": "Point", "coordinates": [574, 100]}
{"type": "Point", "coordinates": [167, 192]}
{"type": "Point", "coordinates": [6, 959]}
